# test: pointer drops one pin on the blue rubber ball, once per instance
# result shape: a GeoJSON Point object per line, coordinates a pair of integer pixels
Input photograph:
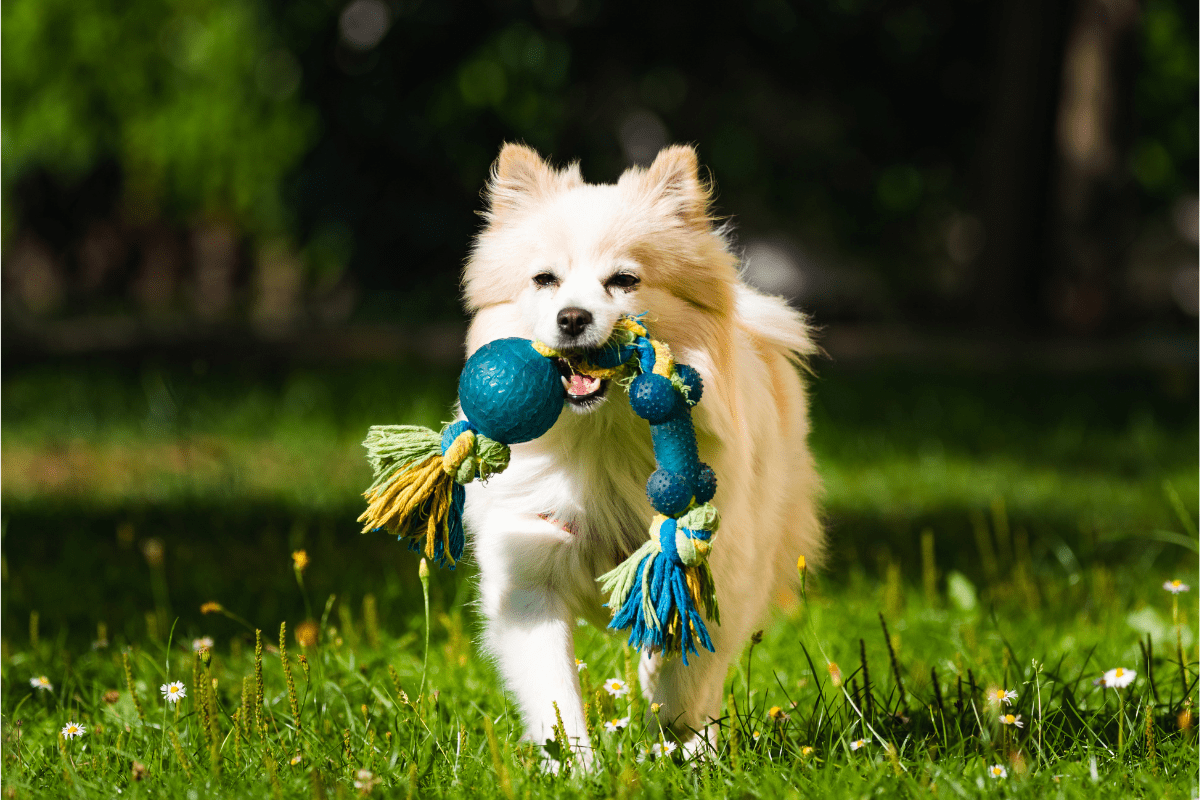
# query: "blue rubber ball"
{"type": "Point", "coordinates": [511, 392]}
{"type": "Point", "coordinates": [653, 398]}
{"type": "Point", "coordinates": [706, 483]}
{"type": "Point", "coordinates": [691, 379]}
{"type": "Point", "coordinates": [669, 492]}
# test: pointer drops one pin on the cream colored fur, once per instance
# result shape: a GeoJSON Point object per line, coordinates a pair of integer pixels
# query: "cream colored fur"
{"type": "Point", "coordinates": [588, 473]}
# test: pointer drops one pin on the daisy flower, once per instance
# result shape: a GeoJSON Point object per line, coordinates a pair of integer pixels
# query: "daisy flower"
{"type": "Point", "coordinates": [806, 750]}
{"type": "Point", "coordinates": [1118, 678]}
{"type": "Point", "coordinates": [41, 682]}
{"type": "Point", "coordinates": [857, 743]}
{"type": "Point", "coordinates": [776, 713]}
{"type": "Point", "coordinates": [1009, 719]}
{"type": "Point", "coordinates": [203, 641]}
{"type": "Point", "coordinates": [997, 771]}
{"type": "Point", "coordinates": [365, 781]}
{"type": "Point", "coordinates": [1176, 586]}
{"type": "Point", "coordinates": [296, 759]}
{"type": "Point", "coordinates": [173, 691]}
{"type": "Point", "coordinates": [756, 735]}
{"type": "Point", "coordinates": [999, 697]}
{"type": "Point", "coordinates": [73, 729]}
{"type": "Point", "coordinates": [580, 666]}
{"type": "Point", "coordinates": [616, 687]}
{"type": "Point", "coordinates": [658, 750]}
{"type": "Point", "coordinates": [614, 725]}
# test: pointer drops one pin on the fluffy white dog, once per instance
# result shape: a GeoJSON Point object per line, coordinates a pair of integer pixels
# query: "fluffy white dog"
{"type": "Point", "coordinates": [560, 260]}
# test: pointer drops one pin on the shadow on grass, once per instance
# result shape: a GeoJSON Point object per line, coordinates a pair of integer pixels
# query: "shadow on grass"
{"type": "Point", "coordinates": [1079, 462]}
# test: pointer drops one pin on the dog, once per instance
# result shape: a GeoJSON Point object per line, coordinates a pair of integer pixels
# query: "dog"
{"type": "Point", "coordinates": [560, 260]}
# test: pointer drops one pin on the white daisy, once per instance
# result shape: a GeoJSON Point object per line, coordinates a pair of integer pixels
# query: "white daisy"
{"type": "Point", "coordinates": [756, 735]}
{"type": "Point", "coordinates": [203, 641]}
{"type": "Point", "coordinates": [580, 666]}
{"type": "Point", "coordinates": [42, 683]}
{"type": "Point", "coordinates": [365, 780]}
{"type": "Point", "coordinates": [172, 692]}
{"type": "Point", "coordinates": [614, 725]}
{"type": "Point", "coordinates": [1176, 586]}
{"type": "Point", "coordinates": [857, 743]}
{"type": "Point", "coordinates": [1118, 678]}
{"type": "Point", "coordinates": [1009, 719]}
{"type": "Point", "coordinates": [296, 759]}
{"type": "Point", "coordinates": [997, 771]}
{"type": "Point", "coordinates": [616, 687]}
{"type": "Point", "coordinates": [73, 729]}
{"type": "Point", "coordinates": [658, 750]}
{"type": "Point", "coordinates": [999, 697]}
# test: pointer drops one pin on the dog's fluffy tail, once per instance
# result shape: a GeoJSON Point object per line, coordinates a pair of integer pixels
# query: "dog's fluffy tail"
{"type": "Point", "coordinates": [771, 320]}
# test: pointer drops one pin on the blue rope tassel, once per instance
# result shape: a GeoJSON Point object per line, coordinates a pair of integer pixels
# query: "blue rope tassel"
{"type": "Point", "coordinates": [657, 605]}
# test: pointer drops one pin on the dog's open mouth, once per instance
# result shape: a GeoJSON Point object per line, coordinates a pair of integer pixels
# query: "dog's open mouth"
{"type": "Point", "coordinates": [583, 391]}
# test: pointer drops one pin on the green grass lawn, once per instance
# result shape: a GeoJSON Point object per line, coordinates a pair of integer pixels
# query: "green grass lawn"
{"type": "Point", "coordinates": [1011, 531]}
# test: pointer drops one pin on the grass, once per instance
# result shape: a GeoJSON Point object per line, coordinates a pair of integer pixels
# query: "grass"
{"type": "Point", "coordinates": [352, 702]}
{"type": "Point", "coordinates": [989, 531]}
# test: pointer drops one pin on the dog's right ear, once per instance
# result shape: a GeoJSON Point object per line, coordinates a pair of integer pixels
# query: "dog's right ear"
{"type": "Point", "coordinates": [519, 175]}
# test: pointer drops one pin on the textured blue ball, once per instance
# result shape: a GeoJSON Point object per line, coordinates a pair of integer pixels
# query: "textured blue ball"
{"type": "Point", "coordinates": [510, 392]}
{"type": "Point", "coordinates": [669, 492]}
{"type": "Point", "coordinates": [691, 379]}
{"type": "Point", "coordinates": [653, 398]}
{"type": "Point", "coordinates": [706, 483]}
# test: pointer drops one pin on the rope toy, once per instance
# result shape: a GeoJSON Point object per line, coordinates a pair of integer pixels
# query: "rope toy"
{"type": "Point", "coordinates": [510, 392]}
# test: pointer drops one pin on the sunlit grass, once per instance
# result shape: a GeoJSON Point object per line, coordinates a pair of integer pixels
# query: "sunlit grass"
{"type": "Point", "coordinates": [338, 710]}
{"type": "Point", "coordinates": [982, 540]}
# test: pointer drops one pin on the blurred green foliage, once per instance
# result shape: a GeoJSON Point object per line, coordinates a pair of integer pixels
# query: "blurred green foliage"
{"type": "Point", "coordinates": [855, 131]}
{"type": "Point", "coordinates": [196, 101]}
{"type": "Point", "coordinates": [1164, 157]}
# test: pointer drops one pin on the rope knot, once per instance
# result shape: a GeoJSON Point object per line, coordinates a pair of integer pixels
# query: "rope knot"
{"type": "Point", "coordinates": [458, 452]}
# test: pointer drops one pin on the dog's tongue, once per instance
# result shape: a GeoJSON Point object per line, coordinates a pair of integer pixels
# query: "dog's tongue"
{"type": "Point", "coordinates": [581, 385]}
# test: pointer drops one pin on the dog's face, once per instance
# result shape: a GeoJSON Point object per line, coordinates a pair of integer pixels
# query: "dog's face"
{"type": "Point", "coordinates": [574, 257]}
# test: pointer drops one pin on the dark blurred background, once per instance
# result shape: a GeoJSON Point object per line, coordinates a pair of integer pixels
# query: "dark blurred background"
{"type": "Point", "coordinates": [232, 233]}
{"type": "Point", "coordinates": [187, 171]}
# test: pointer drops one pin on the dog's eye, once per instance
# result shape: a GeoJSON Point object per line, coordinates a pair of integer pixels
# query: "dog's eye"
{"type": "Point", "coordinates": [544, 279]}
{"type": "Point", "coordinates": [622, 280]}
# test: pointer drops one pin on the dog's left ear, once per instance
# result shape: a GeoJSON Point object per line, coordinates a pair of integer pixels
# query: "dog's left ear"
{"type": "Point", "coordinates": [673, 180]}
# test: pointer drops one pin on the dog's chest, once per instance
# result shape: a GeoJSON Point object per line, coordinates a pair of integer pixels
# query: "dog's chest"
{"type": "Point", "coordinates": [589, 480]}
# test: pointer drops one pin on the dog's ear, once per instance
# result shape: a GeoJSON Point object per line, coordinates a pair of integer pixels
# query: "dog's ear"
{"type": "Point", "coordinates": [519, 174]}
{"type": "Point", "coordinates": [673, 180]}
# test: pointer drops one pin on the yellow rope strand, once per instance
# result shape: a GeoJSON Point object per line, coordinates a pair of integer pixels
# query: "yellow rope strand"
{"type": "Point", "coordinates": [632, 325]}
{"type": "Point", "coordinates": [439, 519]}
{"type": "Point", "coordinates": [459, 449]}
{"type": "Point", "coordinates": [395, 501]}
{"type": "Point", "coordinates": [410, 500]}
{"type": "Point", "coordinates": [692, 577]}
{"type": "Point", "coordinates": [664, 362]}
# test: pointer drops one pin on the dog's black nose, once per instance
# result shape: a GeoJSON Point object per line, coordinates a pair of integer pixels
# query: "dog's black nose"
{"type": "Point", "coordinates": [574, 321]}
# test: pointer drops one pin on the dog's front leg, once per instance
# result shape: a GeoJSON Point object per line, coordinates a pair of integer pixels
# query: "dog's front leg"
{"type": "Point", "coordinates": [530, 630]}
